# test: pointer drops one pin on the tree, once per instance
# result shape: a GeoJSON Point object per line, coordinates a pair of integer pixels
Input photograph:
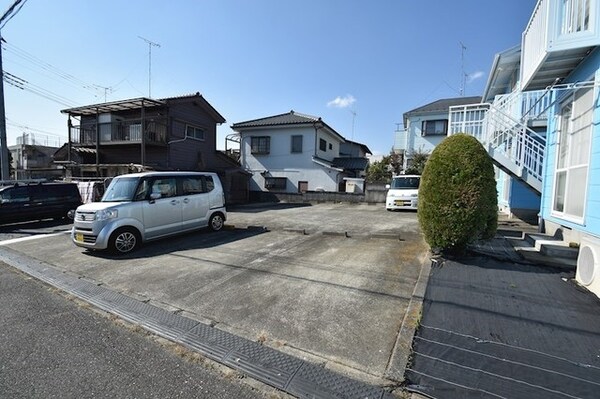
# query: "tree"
{"type": "Point", "coordinates": [382, 171]}
{"type": "Point", "coordinates": [458, 201]}
{"type": "Point", "coordinates": [418, 160]}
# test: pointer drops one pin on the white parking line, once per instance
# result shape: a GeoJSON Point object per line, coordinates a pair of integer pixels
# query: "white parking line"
{"type": "Point", "coordinates": [34, 237]}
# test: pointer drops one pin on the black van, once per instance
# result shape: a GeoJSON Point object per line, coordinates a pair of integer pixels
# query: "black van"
{"type": "Point", "coordinates": [23, 202]}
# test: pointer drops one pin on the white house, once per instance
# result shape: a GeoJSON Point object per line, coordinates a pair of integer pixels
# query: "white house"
{"type": "Point", "coordinates": [295, 153]}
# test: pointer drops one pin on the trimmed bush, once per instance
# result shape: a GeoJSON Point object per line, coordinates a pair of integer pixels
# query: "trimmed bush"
{"type": "Point", "coordinates": [458, 201]}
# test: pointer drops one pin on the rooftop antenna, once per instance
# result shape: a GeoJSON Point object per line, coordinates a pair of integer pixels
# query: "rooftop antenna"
{"type": "Point", "coordinates": [353, 112]}
{"type": "Point", "coordinates": [150, 44]}
{"type": "Point", "coordinates": [463, 75]}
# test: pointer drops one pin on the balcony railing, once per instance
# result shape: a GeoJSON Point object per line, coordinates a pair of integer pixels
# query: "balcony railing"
{"type": "Point", "coordinates": [535, 40]}
{"type": "Point", "coordinates": [122, 132]}
{"type": "Point", "coordinates": [558, 32]}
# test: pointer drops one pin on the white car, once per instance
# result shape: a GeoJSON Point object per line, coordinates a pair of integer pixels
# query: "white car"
{"type": "Point", "coordinates": [403, 192]}
{"type": "Point", "coordinates": [145, 206]}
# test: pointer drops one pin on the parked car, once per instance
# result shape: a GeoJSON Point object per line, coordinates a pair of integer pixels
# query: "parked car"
{"type": "Point", "coordinates": [146, 206]}
{"type": "Point", "coordinates": [403, 192]}
{"type": "Point", "coordinates": [23, 202]}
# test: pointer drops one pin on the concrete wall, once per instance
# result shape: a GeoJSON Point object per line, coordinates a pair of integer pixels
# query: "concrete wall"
{"type": "Point", "coordinates": [374, 194]}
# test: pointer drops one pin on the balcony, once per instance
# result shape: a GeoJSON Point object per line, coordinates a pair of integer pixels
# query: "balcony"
{"type": "Point", "coordinates": [557, 38]}
{"type": "Point", "coordinates": [122, 132]}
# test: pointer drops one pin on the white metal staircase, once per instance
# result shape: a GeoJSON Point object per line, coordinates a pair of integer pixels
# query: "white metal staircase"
{"type": "Point", "coordinates": [503, 129]}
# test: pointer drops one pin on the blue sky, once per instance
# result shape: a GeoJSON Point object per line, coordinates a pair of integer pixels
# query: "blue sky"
{"type": "Point", "coordinates": [251, 59]}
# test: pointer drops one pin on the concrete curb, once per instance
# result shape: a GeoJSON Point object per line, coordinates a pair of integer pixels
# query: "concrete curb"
{"type": "Point", "coordinates": [403, 347]}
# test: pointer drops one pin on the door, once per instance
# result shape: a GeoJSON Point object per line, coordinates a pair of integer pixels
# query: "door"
{"type": "Point", "coordinates": [195, 202]}
{"type": "Point", "coordinates": [302, 186]}
{"type": "Point", "coordinates": [162, 212]}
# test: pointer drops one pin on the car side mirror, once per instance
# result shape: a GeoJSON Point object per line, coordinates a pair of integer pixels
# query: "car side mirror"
{"type": "Point", "coordinates": [387, 186]}
{"type": "Point", "coordinates": [154, 196]}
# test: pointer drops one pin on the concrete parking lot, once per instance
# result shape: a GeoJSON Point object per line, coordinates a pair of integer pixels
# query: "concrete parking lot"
{"type": "Point", "coordinates": [327, 282]}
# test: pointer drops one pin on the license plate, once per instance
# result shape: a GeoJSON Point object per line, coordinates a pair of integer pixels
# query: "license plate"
{"type": "Point", "coordinates": [79, 237]}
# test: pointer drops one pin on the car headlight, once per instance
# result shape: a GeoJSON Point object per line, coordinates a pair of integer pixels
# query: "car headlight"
{"type": "Point", "coordinates": [106, 214]}
{"type": "Point", "coordinates": [391, 195]}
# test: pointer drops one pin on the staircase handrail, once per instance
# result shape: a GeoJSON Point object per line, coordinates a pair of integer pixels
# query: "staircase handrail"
{"type": "Point", "coordinates": [515, 123]}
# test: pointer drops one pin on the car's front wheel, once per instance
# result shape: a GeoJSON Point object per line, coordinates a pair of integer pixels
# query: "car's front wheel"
{"type": "Point", "coordinates": [216, 222]}
{"type": "Point", "coordinates": [123, 241]}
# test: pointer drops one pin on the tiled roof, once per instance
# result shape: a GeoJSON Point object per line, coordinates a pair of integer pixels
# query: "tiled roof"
{"type": "Point", "coordinates": [361, 145]}
{"type": "Point", "coordinates": [442, 105]}
{"type": "Point", "coordinates": [289, 118]}
{"type": "Point", "coordinates": [351, 163]}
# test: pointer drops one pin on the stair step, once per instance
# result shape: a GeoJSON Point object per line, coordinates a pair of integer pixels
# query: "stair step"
{"type": "Point", "coordinates": [545, 260]}
{"type": "Point", "coordinates": [534, 238]}
{"type": "Point", "coordinates": [559, 251]}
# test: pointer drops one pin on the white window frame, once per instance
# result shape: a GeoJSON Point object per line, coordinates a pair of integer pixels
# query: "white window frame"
{"type": "Point", "coordinates": [195, 129]}
{"type": "Point", "coordinates": [568, 168]}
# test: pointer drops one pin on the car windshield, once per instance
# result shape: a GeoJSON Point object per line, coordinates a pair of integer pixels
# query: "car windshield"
{"type": "Point", "coordinates": [405, 182]}
{"type": "Point", "coordinates": [121, 189]}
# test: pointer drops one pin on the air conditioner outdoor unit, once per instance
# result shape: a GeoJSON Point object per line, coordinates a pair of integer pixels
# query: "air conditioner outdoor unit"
{"type": "Point", "coordinates": [588, 264]}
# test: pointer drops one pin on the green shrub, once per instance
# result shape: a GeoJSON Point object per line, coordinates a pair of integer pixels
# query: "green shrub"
{"type": "Point", "coordinates": [458, 201]}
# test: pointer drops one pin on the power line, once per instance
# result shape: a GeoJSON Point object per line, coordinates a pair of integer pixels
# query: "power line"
{"type": "Point", "coordinates": [47, 67]}
{"type": "Point", "coordinates": [11, 12]}
{"type": "Point", "coordinates": [23, 84]}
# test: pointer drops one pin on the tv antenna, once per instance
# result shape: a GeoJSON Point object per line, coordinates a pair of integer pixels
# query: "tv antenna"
{"type": "Point", "coordinates": [353, 112]}
{"type": "Point", "coordinates": [463, 75]}
{"type": "Point", "coordinates": [150, 44]}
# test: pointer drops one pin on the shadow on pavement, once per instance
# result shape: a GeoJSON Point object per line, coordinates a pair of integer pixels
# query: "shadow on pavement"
{"type": "Point", "coordinates": [262, 207]}
{"type": "Point", "coordinates": [188, 241]}
{"type": "Point", "coordinates": [35, 227]}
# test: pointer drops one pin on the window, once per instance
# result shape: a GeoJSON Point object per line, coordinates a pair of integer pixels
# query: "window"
{"type": "Point", "coordinates": [194, 132]}
{"type": "Point", "coordinates": [17, 194]}
{"type": "Point", "coordinates": [436, 127]}
{"type": "Point", "coordinates": [572, 156]}
{"type": "Point", "coordinates": [322, 145]}
{"type": "Point", "coordinates": [260, 145]}
{"type": "Point", "coordinates": [166, 187]}
{"type": "Point", "coordinates": [330, 146]}
{"type": "Point", "coordinates": [275, 183]}
{"type": "Point", "coordinates": [296, 143]}
{"type": "Point", "coordinates": [192, 185]}
{"type": "Point", "coordinates": [575, 16]}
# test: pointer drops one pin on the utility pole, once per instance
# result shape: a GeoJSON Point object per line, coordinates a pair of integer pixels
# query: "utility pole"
{"type": "Point", "coordinates": [150, 44]}
{"type": "Point", "coordinates": [11, 12]}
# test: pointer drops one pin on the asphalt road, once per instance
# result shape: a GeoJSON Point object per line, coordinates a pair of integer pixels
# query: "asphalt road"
{"type": "Point", "coordinates": [50, 347]}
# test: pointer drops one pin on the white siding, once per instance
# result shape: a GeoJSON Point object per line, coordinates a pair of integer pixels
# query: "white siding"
{"type": "Point", "coordinates": [281, 162]}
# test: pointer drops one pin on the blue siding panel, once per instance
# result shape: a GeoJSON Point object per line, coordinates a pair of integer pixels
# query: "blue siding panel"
{"type": "Point", "coordinates": [589, 69]}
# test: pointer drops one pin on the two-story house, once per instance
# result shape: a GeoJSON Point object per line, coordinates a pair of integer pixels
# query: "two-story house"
{"type": "Point", "coordinates": [295, 153]}
{"type": "Point", "coordinates": [425, 127]}
{"type": "Point", "coordinates": [556, 79]}
{"type": "Point", "coordinates": [176, 133]}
